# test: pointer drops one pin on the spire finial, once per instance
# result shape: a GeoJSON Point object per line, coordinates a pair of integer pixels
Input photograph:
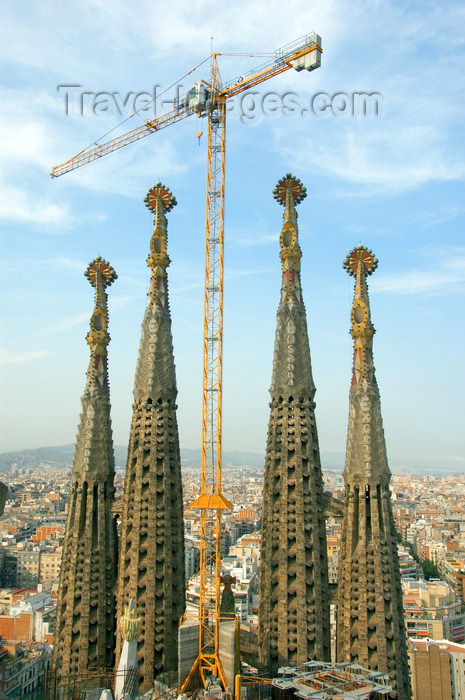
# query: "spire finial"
{"type": "Point", "coordinates": [289, 192]}
{"type": "Point", "coordinates": [160, 194]}
{"type": "Point", "coordinates": [289, 187]}
{"type": "Point", "coordinates": [102, 266]}
{"type": "Point", "coordinates": [359, 263]}
{"type": "Point", "coordinates": [360, 257]}
{"type": "Point", "coordinates": [100, 275]}
{"type": "Point", "coordinates": [160, 200]}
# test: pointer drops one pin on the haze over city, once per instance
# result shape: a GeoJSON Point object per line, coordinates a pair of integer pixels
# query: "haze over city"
{"type": "Point", "coordinates": [393, 182]}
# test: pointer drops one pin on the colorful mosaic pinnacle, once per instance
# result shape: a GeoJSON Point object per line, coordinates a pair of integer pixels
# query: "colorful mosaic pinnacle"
{"type": "Point", "coordinates": [85, 625]}
{"type": "Point", "coordinates": [160, 195]}
{"type": "Point", "coordinates": [289, 188]}
{"type": "Point", "coordinates": [101, 275]}
{"type": "Point", "coordinates": [151, 564]}
{"type": "Point", "coordinates": [370, 625]}
{"type": "Point", "coordinates": [294, 592]}
{"type": "Point", "coordinates": [160, 201]}
{"type": "Point", "coordinates": [289, 192]}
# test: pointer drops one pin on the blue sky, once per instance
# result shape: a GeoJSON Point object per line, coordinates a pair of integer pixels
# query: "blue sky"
{"type": "Point", "coordinates": [392, 182]}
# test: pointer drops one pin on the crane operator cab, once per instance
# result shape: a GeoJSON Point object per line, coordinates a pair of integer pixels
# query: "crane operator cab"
{"type": "Point", "coordinates": [196, 99]}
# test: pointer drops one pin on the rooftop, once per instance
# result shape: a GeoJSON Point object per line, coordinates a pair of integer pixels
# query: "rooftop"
{"type": "Point", "coordinates": [316, 680]}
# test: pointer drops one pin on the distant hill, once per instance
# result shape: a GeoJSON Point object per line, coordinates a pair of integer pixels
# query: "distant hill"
{"type": "Point", "coordinates": [62, 456]}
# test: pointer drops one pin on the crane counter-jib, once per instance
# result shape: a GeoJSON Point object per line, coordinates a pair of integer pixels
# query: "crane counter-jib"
{"type": "Point", "coordinates": [304, 53]}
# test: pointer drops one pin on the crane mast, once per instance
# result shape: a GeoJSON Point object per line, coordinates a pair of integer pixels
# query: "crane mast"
{"type": "Point", "coordinates": [210, 521]}
{"type": "Point", "coordinates": [210, 101]}
{"type": "Point", "coordinates": [211, 501]}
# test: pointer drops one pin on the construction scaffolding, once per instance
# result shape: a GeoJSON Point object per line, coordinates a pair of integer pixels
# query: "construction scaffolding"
{"type": "Point", "coordinates": [89, 685]}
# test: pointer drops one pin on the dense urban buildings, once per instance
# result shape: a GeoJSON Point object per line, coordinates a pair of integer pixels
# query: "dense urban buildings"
{"type": "Point", "coordinates": [370, 626]}
{"type": "Point", "coordinates": [432, 609]}
{"type": "Point", "coordinates": [151, 562]}
{"type": "Point", "coordinates": [85, 625]}
{"type": "Point", "coordinates": [293, 612]}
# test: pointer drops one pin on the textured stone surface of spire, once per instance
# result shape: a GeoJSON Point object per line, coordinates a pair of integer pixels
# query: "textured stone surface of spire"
{"type": "Point", "coordinates": [294, 592]}
{"type": "Point", "coordinates": [85, 624]}
{"type": "Point", "coordinates": [370, 623]}
{"type": "Point", "coordinates": [151, 566]}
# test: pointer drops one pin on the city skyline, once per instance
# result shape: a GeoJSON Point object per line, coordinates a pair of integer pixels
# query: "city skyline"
{"type": "Point", "coordinates": [392, 182]}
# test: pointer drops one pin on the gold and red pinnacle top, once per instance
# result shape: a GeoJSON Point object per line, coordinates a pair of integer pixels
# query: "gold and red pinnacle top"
{"type": "Point", "coordinates": [160, 193]}
{"type": "Point", "coordinates": [289, 191]}
{"type": "Point", "coordinates": [159, 200]}
{"type": "Point", "coordinates": [359, 263]}
{"type": "Point", "coordinates": [289, 186]}
{"type": "Point", "coordinates": [360, 254]}
{"type": "Point", "coordinates": [101, 275]}
{"type": "Point", "coordinates": [107, 272]}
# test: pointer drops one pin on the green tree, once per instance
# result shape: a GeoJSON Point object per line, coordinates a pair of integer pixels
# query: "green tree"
{"type": "Point", "coordinates": [429, 569]}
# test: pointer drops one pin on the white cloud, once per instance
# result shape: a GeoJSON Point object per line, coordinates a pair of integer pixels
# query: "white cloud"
{"type": "Point", "coordinates": [388, 160]}
{"type": "Point", "coordinates": [69, 263]}
{"type": "Point", "coordinates": [8, 357]}
{"type": "Point", "coordinates": [442, 216]}
{"type": "Point", "coordinates": [448, 273]}
{"type": "Point", "coordinates": [21, 206]}
{"type": "Point", "coordinates": [67, 323]}
{"type": "Point", "coordinates": [414, 142]}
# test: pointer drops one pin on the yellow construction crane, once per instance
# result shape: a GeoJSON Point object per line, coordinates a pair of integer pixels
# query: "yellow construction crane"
{"type": "Point", "coordinates": [209, 100]}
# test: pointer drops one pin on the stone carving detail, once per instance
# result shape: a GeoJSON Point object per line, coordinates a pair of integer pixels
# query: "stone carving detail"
{"type": "Point", "coordinates": [151, 564]}
{"type": "Point", "coordinates": [294, 591]}
{"type": "Point", "coordinates": [85, 624]}
{"type": "Point", "coordinates": [370, 624]}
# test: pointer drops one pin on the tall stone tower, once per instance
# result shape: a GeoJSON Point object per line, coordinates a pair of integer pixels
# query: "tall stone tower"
{"type": "Point", "coordinates": [85, 624]}
{"type": "Point", "coordinates": [370, 623]}
{"type": "Point", "coordinates": [151, 565]}
{"type": "Point", "coordinates": [294, 598]}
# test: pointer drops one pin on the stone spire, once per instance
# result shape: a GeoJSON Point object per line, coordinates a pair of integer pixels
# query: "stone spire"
{"type": "Point", "coordinates": [151, 566]}
{"type": "Point", "coordinates": [294, 596]}
{"type": "Point", "coordinates": [370, 624]}
{"type": "Point", "coordinates": [85, 625]}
